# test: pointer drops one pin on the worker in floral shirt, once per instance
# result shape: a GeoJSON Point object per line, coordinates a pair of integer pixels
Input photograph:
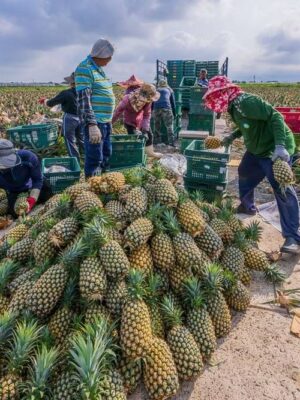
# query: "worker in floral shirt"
{"type": "Point", "coordinates": [96, 103]}
{"type": "Point", "coordinates": [266, 138]}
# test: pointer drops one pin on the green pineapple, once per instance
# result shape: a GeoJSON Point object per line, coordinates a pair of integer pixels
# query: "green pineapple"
{"type": "Point", "coordinates": [113, 386]}
{"type": "Point", "coordinates": [236, 294]}
{"type": "Point", "coordinates": [210, 242]}
{"type": "Point", "coordinates": [22, 250]}
{"type": "Point", "coordinates": [21, 206]}
{"type": "Point", "coordinates": [154, 284]}
{"type": "Point", "coordinates": [131, 372]}
{"type": "Point", "coordinates": [115, 298]}
{"type": "Point", "coordinates": [8, 269]}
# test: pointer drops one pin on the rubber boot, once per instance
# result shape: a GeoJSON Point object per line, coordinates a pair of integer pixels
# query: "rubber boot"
{"type": "Point", "coordinates": [151, 153]}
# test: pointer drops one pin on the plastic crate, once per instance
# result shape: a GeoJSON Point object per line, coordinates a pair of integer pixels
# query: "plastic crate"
{"type": "Point", "coordinates": [206, 165]}
{"type": "Point", "coordinates": [118, 168]}
{"type": "Point", "coordinates": [211, 192]}
{"type": "Point", "coordinates": [291, 117]}
{"type": "Point", "coordinates": [186, 141]}
{"type": "Point", "coordinates": [36, 137]}
{"type": "Point", "coordinates": [297, 141]}
{"type": "Point", "coordinates": [185, 88]}
{"type": "Point", "coordinates": [59, 181]}
{"type": "Point", "coordinates": [127, 151]}
{"type": "Point", "coordinates": [198, 122]}
{"type": "Point", "coordinates": [189, 68]}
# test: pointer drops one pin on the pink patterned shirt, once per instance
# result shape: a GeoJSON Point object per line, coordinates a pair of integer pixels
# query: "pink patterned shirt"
{"type": "Point", "coordinates": [140, 119]}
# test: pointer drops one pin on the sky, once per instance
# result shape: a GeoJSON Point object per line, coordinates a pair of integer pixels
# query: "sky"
{"type": "Point", "coordinates": [44, 40]}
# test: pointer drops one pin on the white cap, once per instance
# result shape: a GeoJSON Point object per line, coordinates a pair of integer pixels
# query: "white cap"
{"type": "Point", "coordinates": [102, 49]}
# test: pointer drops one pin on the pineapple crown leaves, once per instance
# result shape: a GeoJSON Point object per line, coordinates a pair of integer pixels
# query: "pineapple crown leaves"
{"type": "Point", "coordinates": [273, 274]}
{"type": "Point", "coordinates": [253, 231]}
{"type": "Point", "coordinates": [134, 177]}
{"type": "Point", "coordinates": [198, 196]}
{"type": "Point", "coordinates": [158, 171]}
{"type": "Point", "coordinates": [171, 222]}
{"type": "Point", "coordinates": [7, 270]}
{"type": "Point", "coordinates": [7, 324]}
{"type": "Point", "coordinates": [213, 279]}
{"type": "Point", "coordinates": [225, 214]}
{"type": "Point", "coordinates": [172, 315]}
{"type": "Point", "coordinates": [70, 293]}
{"type": "Point", "coordinates": [96, 233]}
{"type": "Point", "coordinates": [63, 207]}
{"type": "Point", "coordinates": [73, 253]}
{"type": "Point", "coordinates": [229, 280]}
{"type": "Point", "coordinates": [25, 339]}
{"type": "Point", "coordinates": [193, 293]}
{"type": "Point", "coordinates": [154, 285]}
{"type": "Point", "coordinates": [92, 353]}
{"type": "Point", "coordinates": [42, 365]}
{"type": "Point", "coordinates": [136, 285]}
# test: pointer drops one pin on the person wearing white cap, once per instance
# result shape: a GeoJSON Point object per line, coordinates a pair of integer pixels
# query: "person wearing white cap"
{"type": "Point", "coordinates": [96, 103]}
{"type": "Point", "coordinates": [20, 172]}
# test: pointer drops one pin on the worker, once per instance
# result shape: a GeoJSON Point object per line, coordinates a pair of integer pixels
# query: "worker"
{"type": "Point", "coordinates": [20, 172]}
{"type": "Point", "coordinates": [71, 128]}
{"type": "Point", "coordinates": [136, 111]}
{"type": "Point", "coordinates": [131, 84]}
{"type": "Point", "coordinates": [266, 138]}
{"type": "Point", "coordinates": [164, 112]}
{"type": "Point", "coordinates": [96, 103]}
{"type": "Point", "coordinates": [203, 81]}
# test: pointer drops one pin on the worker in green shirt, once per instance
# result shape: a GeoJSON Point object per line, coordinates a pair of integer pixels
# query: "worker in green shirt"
{"type": "Point", "coordinates": [266, 138]}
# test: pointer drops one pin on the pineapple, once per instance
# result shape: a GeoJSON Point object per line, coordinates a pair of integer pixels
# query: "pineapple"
{"type": "Point", "coordinates": [24, 341]}
{"type": "Point", "coordinates": [21, 206]}
{"type": "Point", "coordinates": [255, 259]}
{"type": "Point", "coordinates": [113, 386]}
{"type": "Point", "coordinates": [210, 242]}
{"type": "Point", "coordinates": [95, 310]}
{"type": "Point", "coordinates": [22, 250]}
{"type": "Point", "coordinates": [186, 353]}
{"type": "Point", "coordinates": [236, 294]}
{"type": "Point", "coordinates": [123, 193]}
{"type": "Point", "coordinates": [92, 282]}
{"type": "Point", "coordinates": [163, 251]}
{"type": "Point", "coordinates": [212, 142]}
{"type": "Point", "coordinates": [253, 233]}
{"type": "Point", "coordinates": [3, 207]}
{"type": "Point", "coordinates": [8, 269]}
{"type": "Point", "coordinates": [216, 305]}
{"type": "Point", "coordinates": [3, 195]}
{"type": "Point", "coordinates": [222, 229]}
{"type": "Point", "coordinates": [210, 209]}
{"type": "Point", "coordinates": [160, 374]}
{"type": "Point", "coordinates": [150, 190]}
{"type": "Point", "coordinates": [198, 320]}
{"type": "Point", "coordinates": [87, 203]}
{"type": "Point", "coordinates": [283, 174]}
{"type": "Point", "coordinates": [94, 183]}
{"type": "Point", "coordinates": [165, 193]}
{"type": "Point", "coordinates": [138, 233]}
{"type": "Point", "coordinates": [136, 203]}
{"type": "Point", "coordinates": [141, 259]}
{"type": "Point", "coordinates": [246, 276]}
{"type": "Point", "coordinates": [116, 297]}
{"type": "Point", "coordinates": [111, 182]}
{"type": "Point", "coordinates": [116, 210]}
{"type": "Point", "coordinates": [233, 260]}
{"type": "Point", "coordinates": [135, 331]}
{"type": "Point", "coordinates": [65, 386]}
{"type": "Point", "coordinates": [63, 232]}
{"type": "Point", "coordinates": [154, 284]}
{"type": "Point", "coordinates": [131, 372]}
{"type": "Point", "coordinates": [16, 233]}
{"type": "Point", "coordinates": [18, 302]}
{"type": "Point", "coordinates": [43, 249]}
{"type": "Point", "coordinates": [74, 190]}
{"type": "Point", "coordinates": [178, 275]}
{"type": "Point", "coordinates": [189, 217]}
{"type": "Point", "coordinates": [231, 220]}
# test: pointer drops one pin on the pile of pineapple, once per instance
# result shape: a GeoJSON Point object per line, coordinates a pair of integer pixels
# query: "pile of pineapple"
{"type": "Point", "coordinates": [120, 280]}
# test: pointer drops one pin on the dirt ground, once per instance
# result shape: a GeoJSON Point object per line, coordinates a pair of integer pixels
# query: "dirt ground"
{"type": "Point", "coordinates": [260, 359]}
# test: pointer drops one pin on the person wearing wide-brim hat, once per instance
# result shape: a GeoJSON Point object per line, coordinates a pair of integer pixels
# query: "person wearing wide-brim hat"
{"type": "Point", "coordinates": [267, 138]}
{"type": "Point", "coordinates": [136, 111]}
{"type": "Point", "coordinates": [71, 128]}
{"type": "Point", "coordinates": [131, 84]}
{"type": "Point", "coordinates": [20, 172]}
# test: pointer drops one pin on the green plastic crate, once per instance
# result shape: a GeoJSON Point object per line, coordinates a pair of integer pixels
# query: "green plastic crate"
{"type": "Point", "coordinates": [36, 137]}
{"type": "Point", "coordinates": [59, 181]}
{"type": "Point", "coordinates": [185, 87]}
{"type": "Point", "coordinates": [186, 141]}
{"type": "Point", "coordinates": [297, 141]}
{"type": "Point", "coordinates": [202, 123]}
{"type": "Point", "coordinates": [211, 192]}
{"type": "Point", "coordinates": [206, 165]}
{"type": "Point", "coordinates": [127, 151]}
{"type": "Point", "coordinates": [143, 164]}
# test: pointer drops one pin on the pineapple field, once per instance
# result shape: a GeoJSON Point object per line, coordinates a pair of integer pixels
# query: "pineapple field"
{"type": "Point", "coordinates": [122, 280]}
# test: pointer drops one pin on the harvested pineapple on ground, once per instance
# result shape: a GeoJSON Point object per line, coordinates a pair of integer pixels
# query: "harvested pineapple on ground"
{"type": "Point", "coordinates": [117, 281]}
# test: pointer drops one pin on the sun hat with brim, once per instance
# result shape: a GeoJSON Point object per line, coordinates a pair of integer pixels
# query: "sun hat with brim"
{"type": "Point", "coordinates": [70, 79]}
{"type": "Point", "coordinates": [8, 155]}
{"type": "Point", "coordinates": [219, 83]}
{"type": "Point", "coordinates": [132, 81]}
{"type": "Point", "coordinates": [148, 92]}
{"type": "Point", "coordinates": [162, 83]}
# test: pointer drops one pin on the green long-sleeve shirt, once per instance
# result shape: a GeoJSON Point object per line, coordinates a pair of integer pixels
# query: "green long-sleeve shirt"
{"type": "Point", "coordinates": [261, 126]}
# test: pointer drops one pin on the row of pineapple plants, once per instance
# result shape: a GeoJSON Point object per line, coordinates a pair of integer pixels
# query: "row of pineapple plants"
{"type": "Point", "coordinates": [120, 280]}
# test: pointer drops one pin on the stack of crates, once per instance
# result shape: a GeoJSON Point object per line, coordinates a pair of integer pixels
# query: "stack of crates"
{"type": "Point", "coordinates": [185, 87]}
{"type": "Point", "coordinates": [200, 117]}
{"type": "Point", "coordinates": [34, 137]}
{"type": "Point", "coordinates": [212, 68]}
{"type": "Point", "coordinates": [178, 101]}
{"type": "Point", "coordinates": [207, 170]}
{"type": "Point", "coordinates": [189, 68]}
{"type": "Point", "coordinates": [186, 138]}
{"type": "Point", "coordinates": [176, 72]}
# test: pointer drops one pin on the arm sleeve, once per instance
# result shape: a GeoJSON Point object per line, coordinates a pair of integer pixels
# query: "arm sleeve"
{"type": "Point", "coordinates": [83, 84]}
{"type": "Point", "coordinates": [236, 134]}
{"type": "Point", "coordinates": [261, 110]}
{"type": "Point", "coordinates": [146, 117]}
{"type": "Point", "coordinates": [119, 110]}
{"type": "Point", "coordinates": [59, 99]}
{"type": "Point", "coordinates": [36, 173]}
{"type": "Point", "coordinates": [172, 101]}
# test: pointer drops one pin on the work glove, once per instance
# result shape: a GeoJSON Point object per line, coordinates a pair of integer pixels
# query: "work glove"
{"type": "Point", "coordinates": [227, 141]}
{"type": "Point", "coordinates": [280, 152]}
{"type": "Point", "coordinates": [43, 101]}
{"type": "Point", "coordinates": [31, 203]}
{"type": "Point", "coordinates": [94, 134]}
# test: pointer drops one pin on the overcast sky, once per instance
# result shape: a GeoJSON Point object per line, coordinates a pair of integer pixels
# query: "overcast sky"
{"type": "Point", "coordinates": [44, 40]}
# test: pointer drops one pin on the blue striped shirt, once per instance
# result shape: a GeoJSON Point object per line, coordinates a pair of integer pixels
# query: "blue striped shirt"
{"type": "Point", "coordinates": [91, 79]}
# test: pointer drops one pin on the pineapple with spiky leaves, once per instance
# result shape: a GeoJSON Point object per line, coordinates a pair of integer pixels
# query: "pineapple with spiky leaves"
{"type": "Point", "coordinates": [141, 259]}
{"type": "Point", "coordinates": [22, 250]}
{"type": "Point", "coordinates": [198, 320]}
{"type": "Point", "coordinates": [117, 211]}
{"type": "Point", "coordinates": [135, 331]}
{"type": "Point", "coordinates": [113, 386]}
{"type": "Point", "coordinates": [87, 203]}
{"type": "Point", "coordinates": [95, 310]}
{"type": "Point", "coordinates": [236, 294]}
{"type": "Point", "coordinates": [16, 233]}
{"type": "Point", "coordinates": [43, 249]}
{"type": "Point", "coordinates": [92, 281]}
{"type": "Point", "coordinates": [212, 285]}
{"type": "Point", "coordinates": [8, 269]}
{"type": "Point", "coordinates": [131, 372]}
{"type": "Point", "coordinates": [160, 374]}
{"type": "Point", "coordinates": [178, 275]}
{"type": "Point", "coordinates": [253, 233]}
{"type": "Point", "coordinates": [65, 386]}
{"type": "Point", "coordinates": [64, 232]}
{"type": "Point", "coordinates": [210, 209]}
{"type": "Point", "coordinates": [222, 229]}
{"type": "Point", "coordinates": [186, 353]}
{"type": "Point", "coordinates": [111, 182]}
{"type": "Point", "coordinates": [228, 216]}
{"type": "Point", "coordinates": [190, 217]}
{"type": "Point", "coordinates": [74, 190]}
{"type": "Point", "coordinates": [136, 203]}
{"type": "Point", "coordinates": [116, 296]}
{"type": "Point", "coordinates": [210, 242]}
{"type": "Point", "coordinates": [283, 174]}
{"type": "Point", "coordinates": [24, 341]}
{"type": "Point", "coordinates": [166, 193]}
{"type": "Point", "coordinates": [21, 206]}
{"type": "Point", "coordinates": [212, 142]}
{"type": "Point", "coordinates": [138, 233]}
{"type": "Point", "coordinates": [154, 284]}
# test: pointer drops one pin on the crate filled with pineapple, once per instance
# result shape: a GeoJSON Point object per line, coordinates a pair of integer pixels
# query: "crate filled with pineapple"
{"type": "Point", "coordinates": [120, 280]}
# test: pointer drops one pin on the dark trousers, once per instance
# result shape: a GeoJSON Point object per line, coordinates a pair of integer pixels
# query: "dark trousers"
{"type": "Point", "coordinates": [252, 171]}
{"type": "Point", "coordinates": [73, 135]}
{"type": "Point", "coordinates": [46, 193]}
{"type": "Point", "coordinates": [97, 155]}
{"type": "Point", "coordinates": [132, 130]}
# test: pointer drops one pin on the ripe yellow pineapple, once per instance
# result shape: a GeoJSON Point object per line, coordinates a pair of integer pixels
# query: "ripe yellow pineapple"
{"type": "Point", "coordinates": [283, 174]}
{"type": "Point", "coordinates": [238, 297]}
{"type": "Point", "coordinates": [178, 275]}
{"type": "Point", "coordinates": [190, 218]}
{"type": "Point", "coordinates": [92, 281]}
{"type": "Point", "coordinates": [131, 372]}
{"type": "Point", "coordinates": [74, 190]}
{"type": "Point", "coordinates": [210, 242]}
{"type": "Point", "coordinates": [111, 182]}
{"type": "Point", "coordinates": [138, 233]}
{"type": "Point", "coordinates": [135, 332]}
{"type": "Point", "coordinates": [94, 183]}
{"type": "Point", "coordinates": [166, 193]}
{"type": "Point", "coordinates": [87, 202]}
{"type": "Point", "coordinates": [212, 142]}
{"type": "Point", "coordinates": [233, 260]}
{"type": "Point", "coordinates": [63, 232]}
{"type": "Point", "coordinates": [116, 296]}
{"type": "Point", "coordinates": [136, 203]}
{"type": "Point", "coordinates": [116, 210]}
{"type": "Point", "coordinates": [141, 259]}
{"type": "Point", "coordinates": [16, 233]}
{"type": "Point", "coordinates": [113, 386]}
{"type": "Point", "coordinates": [21, 206]}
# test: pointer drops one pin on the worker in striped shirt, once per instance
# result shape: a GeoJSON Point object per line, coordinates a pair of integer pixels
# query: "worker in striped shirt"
{"type": "Point", "coordinates": [96, 103]}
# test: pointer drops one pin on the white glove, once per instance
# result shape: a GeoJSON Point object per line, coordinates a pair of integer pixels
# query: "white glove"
{"type": "Point", "coordinates": [281, 152]}
{"type": "Point", "coordinates": [94, 134]}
